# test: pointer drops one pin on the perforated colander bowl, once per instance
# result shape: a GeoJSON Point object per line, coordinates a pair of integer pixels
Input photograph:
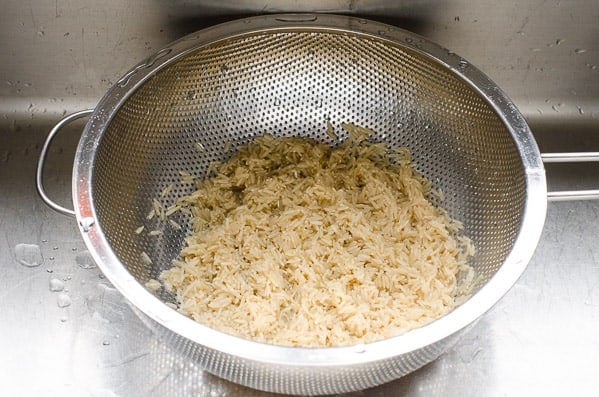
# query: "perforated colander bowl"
{"type": "Point", "coordinates": [196, 100]}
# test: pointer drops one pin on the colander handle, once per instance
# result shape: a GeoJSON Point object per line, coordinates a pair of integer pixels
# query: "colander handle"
{"type": "Point", "coordinates": [42, 160]}
{"type": "Point", "coordinates": [573, 157]}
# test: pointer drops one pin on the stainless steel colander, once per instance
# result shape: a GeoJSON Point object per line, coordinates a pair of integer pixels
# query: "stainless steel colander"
{"type": "Point", "coordinates": [287, 75]}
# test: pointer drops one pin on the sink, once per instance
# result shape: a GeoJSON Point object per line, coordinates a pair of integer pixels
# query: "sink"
{"type": "Point", "coordinates": [84, 339]}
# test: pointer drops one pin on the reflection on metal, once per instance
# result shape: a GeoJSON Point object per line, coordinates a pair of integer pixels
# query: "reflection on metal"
{"type": "Point", "coordinates": [572, 157]}
{"type": "Point", "coordinates": [62, 58]}
{"type": "Point", "coordinates": [39, 184]}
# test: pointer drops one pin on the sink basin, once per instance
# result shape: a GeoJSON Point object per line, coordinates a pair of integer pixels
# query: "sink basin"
{"type": "Point", "coordinates": [65, 326]}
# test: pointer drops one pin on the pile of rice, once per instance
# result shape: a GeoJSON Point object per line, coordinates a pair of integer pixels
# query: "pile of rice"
{"type": "Point", "coordinates": [296, 243]}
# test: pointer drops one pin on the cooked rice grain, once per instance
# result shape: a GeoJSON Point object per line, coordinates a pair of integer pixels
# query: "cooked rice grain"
{"type": "Point", "coordinates": [295, 243]}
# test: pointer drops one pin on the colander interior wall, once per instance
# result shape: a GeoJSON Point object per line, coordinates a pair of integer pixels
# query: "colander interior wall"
{"type": "Point", "coordinates": [289, 83]}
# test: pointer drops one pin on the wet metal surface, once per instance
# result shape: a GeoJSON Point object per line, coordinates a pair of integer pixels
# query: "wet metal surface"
{"type": "Point", "coordinates": [65, 331]}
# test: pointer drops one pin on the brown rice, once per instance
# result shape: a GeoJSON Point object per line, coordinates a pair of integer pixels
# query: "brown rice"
{"type": "Point", "coordinates": [296, 243]}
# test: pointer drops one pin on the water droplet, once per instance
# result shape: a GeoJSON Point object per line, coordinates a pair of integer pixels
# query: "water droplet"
{"type": "Point", "coordinates": [51, 258]}
{"type": "Point", "coordinates": [28, 255]}
{"type": "Point", "coordinates": [105, 343]}
{"type": "Point", "coordinates": [457, 19]}
{"type": "Point", "coordinates": [86, 224]}
{"type": "Point", "coordinates": [85, 260]}
{"type": "Point", "coordinates": [55, 248]}
{"type": "Point", "coordinates": [555, 108]}
{"type": "Point", "coordinates": [74, 249]}
{"type": "Point", "coordinates": [49, 270]}
{"type": "Point", "coordinates": [44, 241]}
{"type": "Point", "coordinates": [580, 110]}
{"type": "Point", "coordinates": [224, 68]}
{"type": "Point", "coordinates": [277, 102]}
{"type": "Point", "coordinates": [580, 50]}
{"type": "Point", "coordinates": [63, 300]}
{"type": "Point", "coordinates": [56, 285]}
{"type": "Point", "coordinates": [408, 40]}
{"type": "Point", "coordinates": [382, 33]}
{"type": "Point", "coordinates": [468, 353]}
{"type": "Point", "coordinates": [362, 21]}
{"type": "Point", "coordinates": [559, 41]}
{"type": "Point", "coordinates": [63, 319]}
{"type": "Point", "coordinates": [463, 64]}
{"type": "Point", "coordinates": [535, 49]}
{"type": "Point", "coordinates": [105, 288]}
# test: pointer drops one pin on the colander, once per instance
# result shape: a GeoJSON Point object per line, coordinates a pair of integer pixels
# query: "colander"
{"type": "Point", "coordinates": [194, 101]}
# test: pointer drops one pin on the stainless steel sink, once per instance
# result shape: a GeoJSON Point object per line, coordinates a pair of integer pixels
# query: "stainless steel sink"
{"type": "Point", "coordinates": [84, 340]}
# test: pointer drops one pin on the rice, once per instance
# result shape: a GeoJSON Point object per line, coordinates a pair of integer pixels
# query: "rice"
{"type": "Point", "coordinates": [174, 224]}
{"type": "Point", "coordinates": [200, 147]}
{"type": "Point", "coordinates": [296, 243]}
{"type": "Point", "coordinates": [166, 190]}
{"type": "Point", "coordinates": [331, 131]}
{"type": "Point", "coordinates": [153, 285]}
